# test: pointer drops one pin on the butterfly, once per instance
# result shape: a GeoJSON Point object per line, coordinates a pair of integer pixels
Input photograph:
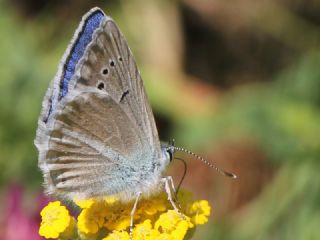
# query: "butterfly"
{"type": "Point", "coordinates": [96, 132]}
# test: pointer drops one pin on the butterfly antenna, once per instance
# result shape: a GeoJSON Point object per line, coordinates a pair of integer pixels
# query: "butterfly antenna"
{"type": "Point", "coordinates": [225, 173]}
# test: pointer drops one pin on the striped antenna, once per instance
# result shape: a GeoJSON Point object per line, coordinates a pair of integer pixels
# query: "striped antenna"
{"type": "Point", "coordinates": [225, 173]}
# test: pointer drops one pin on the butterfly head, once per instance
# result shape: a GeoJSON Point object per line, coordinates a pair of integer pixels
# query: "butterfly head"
{"type": "Point", "coordinates": [168, 150]}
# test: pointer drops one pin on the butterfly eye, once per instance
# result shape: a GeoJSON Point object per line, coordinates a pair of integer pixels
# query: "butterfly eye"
{"type": "Point", "coordinates": [120, 59]}
{"type": "Point", "coordinates": [105, 71]}
{"type": "Point", "coordinates": [169, 153]}
{"type": "Point", "coordinates": [112, 63]}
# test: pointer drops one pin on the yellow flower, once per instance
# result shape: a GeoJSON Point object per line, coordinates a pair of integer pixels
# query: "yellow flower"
{"type": "Point", "coordinates": [110, 218]}
{"type": "Point", "coordinates": [172, 223]}
{"type": "Point", "coordinates": [91, 219]}
{"type": "Point", "coordinates": [56, 221]}
{"type": "Point", "coordinates": [111, 199]}
{"type": "Point", "coordinates": [164, 236]}
{"type": "Point", "coordinates": [118, 216]}
{"type": "Point", "coordinates": [118, 235]}
{"type": "Point", "coordinates": [144, 231]}
{"type": "Point", "coordinates": [84, 203]}
{"type": "Point", "coordinates": [200, 211]}
{"type": "Point", "coordinates": [153, 205]}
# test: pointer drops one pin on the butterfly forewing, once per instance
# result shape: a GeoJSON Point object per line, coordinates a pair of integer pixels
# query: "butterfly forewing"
{"type": "Point", "coordinates": [110, 67]}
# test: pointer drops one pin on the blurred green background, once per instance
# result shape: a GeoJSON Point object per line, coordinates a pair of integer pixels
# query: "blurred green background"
{"type": "Point", "coordinates": [236, 81]}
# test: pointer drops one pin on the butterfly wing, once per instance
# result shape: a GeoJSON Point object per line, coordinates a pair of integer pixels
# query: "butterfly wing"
{"type": "Point", "coordinates": [90, 147]}
{"type": "Point", "coordinates": [101, 137]}
{"type": "Point", "coordinates": [109, 66]}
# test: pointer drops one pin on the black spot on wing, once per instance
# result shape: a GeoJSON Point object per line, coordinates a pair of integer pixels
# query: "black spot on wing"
{"type": "Point", "coordinates": [124, 94]}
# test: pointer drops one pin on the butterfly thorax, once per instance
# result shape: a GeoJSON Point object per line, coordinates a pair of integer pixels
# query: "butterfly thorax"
{"type": "Point", "coordinates": [145, 176]}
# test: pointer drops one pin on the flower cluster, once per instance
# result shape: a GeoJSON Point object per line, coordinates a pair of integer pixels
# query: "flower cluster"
{"type": "Point", "coordinates": [109, 219]}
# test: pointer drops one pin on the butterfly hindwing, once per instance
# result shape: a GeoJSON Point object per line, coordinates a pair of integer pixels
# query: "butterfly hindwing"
{"type": "Point", "coordinates": [91, 143]}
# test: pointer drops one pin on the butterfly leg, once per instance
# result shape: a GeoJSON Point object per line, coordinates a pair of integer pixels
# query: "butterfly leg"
{"type": "Point", "coordinates": [166, 180]}
{"type": "Point", "coordinates": [132, 213]}
{"type": "Point", "coordinates": [171, 182]}
{"type": "Point", "coordinates": [175, 197]}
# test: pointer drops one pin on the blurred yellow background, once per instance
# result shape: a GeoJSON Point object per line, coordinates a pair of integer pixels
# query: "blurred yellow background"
{"type": "Point", "coordinates": [237, 82]}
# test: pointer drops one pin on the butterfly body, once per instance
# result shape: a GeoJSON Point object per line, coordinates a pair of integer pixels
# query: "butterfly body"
{"type": "Point", "coordinates": [96, 133]}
